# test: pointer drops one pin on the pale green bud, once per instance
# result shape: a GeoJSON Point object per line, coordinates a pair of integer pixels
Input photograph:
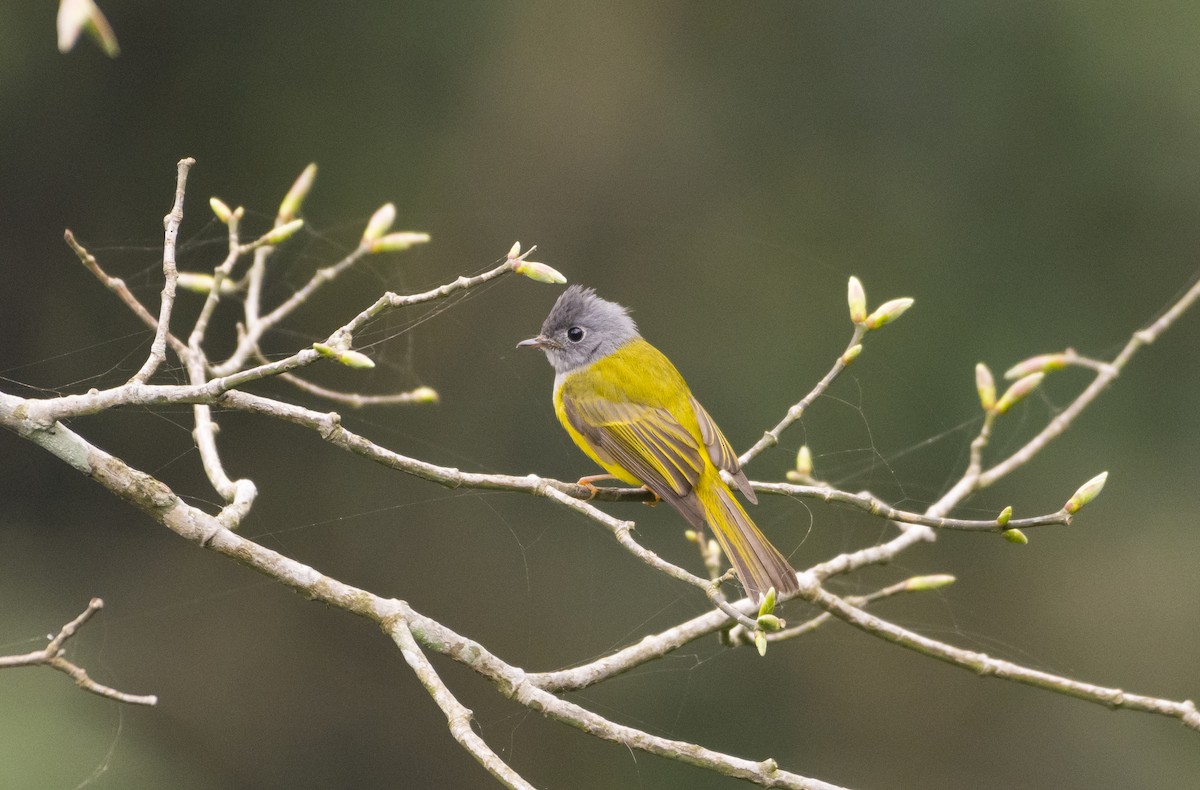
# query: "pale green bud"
{"type": "Point", "coordinates": [931, 582]}
{"type": "Point", "coordinates": [1042, 363]}
{"type": "Point", "coordinates": [77, 16]}
{"type": "Point", "coordinates": [380, 223]}
{"type": "Point", "coordinates": [195, 281]}
{"type": "Point", "coordinates": [347, 357]}
{"type": "Point", "coordinates": [1004, 516]}
{"type": "Point", "coordinates": [1015, 536]}
{"type": "Point", "coordinates": [283, 232]}
{"type": "Point", "coordinates": [295, 196]}
{"type": "Point", "coordinates": [851, 353]}
{"type": "Point", "coordinates": [396, 242]}
{"type": "Point", "coordinates": [804, 461]}
{"type": "Point", "coordinates": [203, 283]}
{"type": "Point", "coordinates": [888, 312]}
{"type": "Point", "coordinates": [691, 536]}
{"type": "Point", "coordinates": [220, 209]}
{"type": "Point", "coordinates": [425, 395]}
{"type": "Point", "coordinates": [1017, 392]}
{"type": "Point", "coordinates": [1086, 493]}
{"type": "Point", "coordinates": [539, 272]}
{"type": "Point", "coordinates": [769, 622]}
{"type": "Point", "coordinates": [514, 251]}
{"type": "Point", "coordinates": [760, 642]}
{"type": "Point", "coordinates": [768, 603]}
{"type": "Point", "coordinates": [985, 385]}
{"type": "Point", "coordinates": [857, 298]}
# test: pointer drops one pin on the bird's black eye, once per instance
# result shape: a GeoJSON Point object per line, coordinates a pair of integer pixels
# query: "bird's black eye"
{"type": "Point", "coordinates": [575, 334]}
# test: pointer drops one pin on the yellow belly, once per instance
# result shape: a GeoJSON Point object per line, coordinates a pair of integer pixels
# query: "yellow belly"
{"type": "Point", "coordinates": [608, 465]}
{"type": "Point", "coordinates": [638, 373]}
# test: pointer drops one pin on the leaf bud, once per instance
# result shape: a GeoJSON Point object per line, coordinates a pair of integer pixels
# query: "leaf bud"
{"type": "Point", "coordinates": [1015, 536]}
{"type": "Point", "coordinates": [1042, 363]}
{"type": "Point", "coordinates": [538, 272]}
{"type": "Point", "coordinates": [399, 241]}
{"type": "Point", "coordinates": [1017, 392]}
{"type": "Point", "coordinates": [985, 385]}
{"type": "Point", "coordinates": [888, 312]}
{"type": "Point", "coordinates": [380, 223]}
{"type": "Point", "coordinates": [290, 207]}
{"type": "Point", "coordinates": [857, 298]}
{"type": "Point", "coordinates": [1086, 493]}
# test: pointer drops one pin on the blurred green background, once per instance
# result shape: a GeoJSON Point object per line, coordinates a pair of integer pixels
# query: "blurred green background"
{"type": "Point", "coordinates": [1028, 172]}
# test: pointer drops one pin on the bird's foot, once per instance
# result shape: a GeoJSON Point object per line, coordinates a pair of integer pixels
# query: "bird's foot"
{"type": "Point", "coordinates": [590, 481]}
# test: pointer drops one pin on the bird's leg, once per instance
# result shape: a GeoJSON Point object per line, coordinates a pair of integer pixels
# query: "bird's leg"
{"type": "Point", "coordinates": [590, 481]}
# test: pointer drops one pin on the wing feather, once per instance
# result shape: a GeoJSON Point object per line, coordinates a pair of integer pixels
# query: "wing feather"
{"type": "Point", "coordinates": [646, 441]}
{"type": "Point", "coordinates": [720, 451]}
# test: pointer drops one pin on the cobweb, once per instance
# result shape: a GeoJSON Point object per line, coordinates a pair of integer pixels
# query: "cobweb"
{"type": "Point", "coordinates": [406, 350]}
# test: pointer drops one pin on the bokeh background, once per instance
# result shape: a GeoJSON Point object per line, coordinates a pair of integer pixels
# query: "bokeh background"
{"type": "Point", "coordinates": [1028, 172]}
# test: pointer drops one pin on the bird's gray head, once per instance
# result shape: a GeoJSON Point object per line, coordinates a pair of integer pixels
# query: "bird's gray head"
{"type": "Point", "coordinates": [582, 328]}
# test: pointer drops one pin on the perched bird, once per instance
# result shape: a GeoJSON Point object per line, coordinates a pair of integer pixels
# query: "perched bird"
{"type": "Point", "coordinates": [630, 410]}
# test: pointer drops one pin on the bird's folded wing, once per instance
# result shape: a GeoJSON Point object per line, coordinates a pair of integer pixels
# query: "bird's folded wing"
{"type": "Point", "coordinates": [720, 451]}
{"type": "Point", "coordinates": [644, 440]}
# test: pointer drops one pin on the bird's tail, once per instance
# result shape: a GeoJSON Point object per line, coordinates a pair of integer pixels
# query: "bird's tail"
{"type": "Point", "coordinates": [759, 565]}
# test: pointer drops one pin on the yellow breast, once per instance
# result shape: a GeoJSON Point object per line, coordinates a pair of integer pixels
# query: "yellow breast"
{"type": "Point", "coordinates": [636, 373]}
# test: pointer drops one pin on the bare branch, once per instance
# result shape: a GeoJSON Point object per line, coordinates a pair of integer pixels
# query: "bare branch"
{"type": "Point", "coordinates": [653, 646]}
{"type": "Point", "coordinates": [219, 386]}
{"type": "Point", "coordinates": [458, 716]}
{"type": "Point", "coordinates": [136, 393]}
{"type": "Point", "coordinates": [622, 530]}
{"type": "Point", "coordinates": [771, 437]}
{"type": "Point", "coordinates": [738, 635]}
{"type": "Point", "coordinates": [985, 665]}
{"type": "Point", "coordinates": [220, 273]}
{"type": "Point", "coordinates": [171, 223]}
{"type": "Point", "coordinates": [239, 495]}
{"type": "Point", "coordinates": [877, 507]}
{"type": "Point", "coordinates": [52, 656]}
{"type": "Point", "coordinates": [256, 325]}
{"type": "Point", "coordinates": [117, 286]}
{"type": "Point", "coordinates": [356, 400]}
{"type": "Point", "coordinates": [1105, 375]}
{"type": "Point", "coordinates": [158, 501]}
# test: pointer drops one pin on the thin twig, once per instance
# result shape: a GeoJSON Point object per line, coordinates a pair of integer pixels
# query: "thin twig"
{"type": "Point", "coordinates": [171, 223]}
{"type": "Point", "coordinates": [118, 286]}
{"type": "Point", "coordinates": [985, 665]}
{"type": "Point", "coordinates": [239, 495]}
{"type": "Point", "coordinates": [257, 325]}
{"type": "Point", "coordinates": [220, 273]}
{"type": "Point", "coordinates": [771, 437]}
{"type": "Point", "coordinates": [353, 399]}
{"type": "Point", "coordinates": [52, 656]}
{"type": "Point", "coordinates": [134, 393]}
{"type": "Point", "coordinates": [1104, 377]}
{"type": "Point", "coordinates": [458, 716]}
{"type": "Point", "coordinates": [738, 635]}
{"type": "Point", "coordinates": [622, 530]}
{"type": "Point", "coordinates": [358, 401]}
{"type": "Point", "coordinates": [877, 507]}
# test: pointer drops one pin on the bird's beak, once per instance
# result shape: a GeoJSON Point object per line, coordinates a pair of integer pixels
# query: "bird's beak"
{"type": "Point", "coordinates": [541, 341]}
